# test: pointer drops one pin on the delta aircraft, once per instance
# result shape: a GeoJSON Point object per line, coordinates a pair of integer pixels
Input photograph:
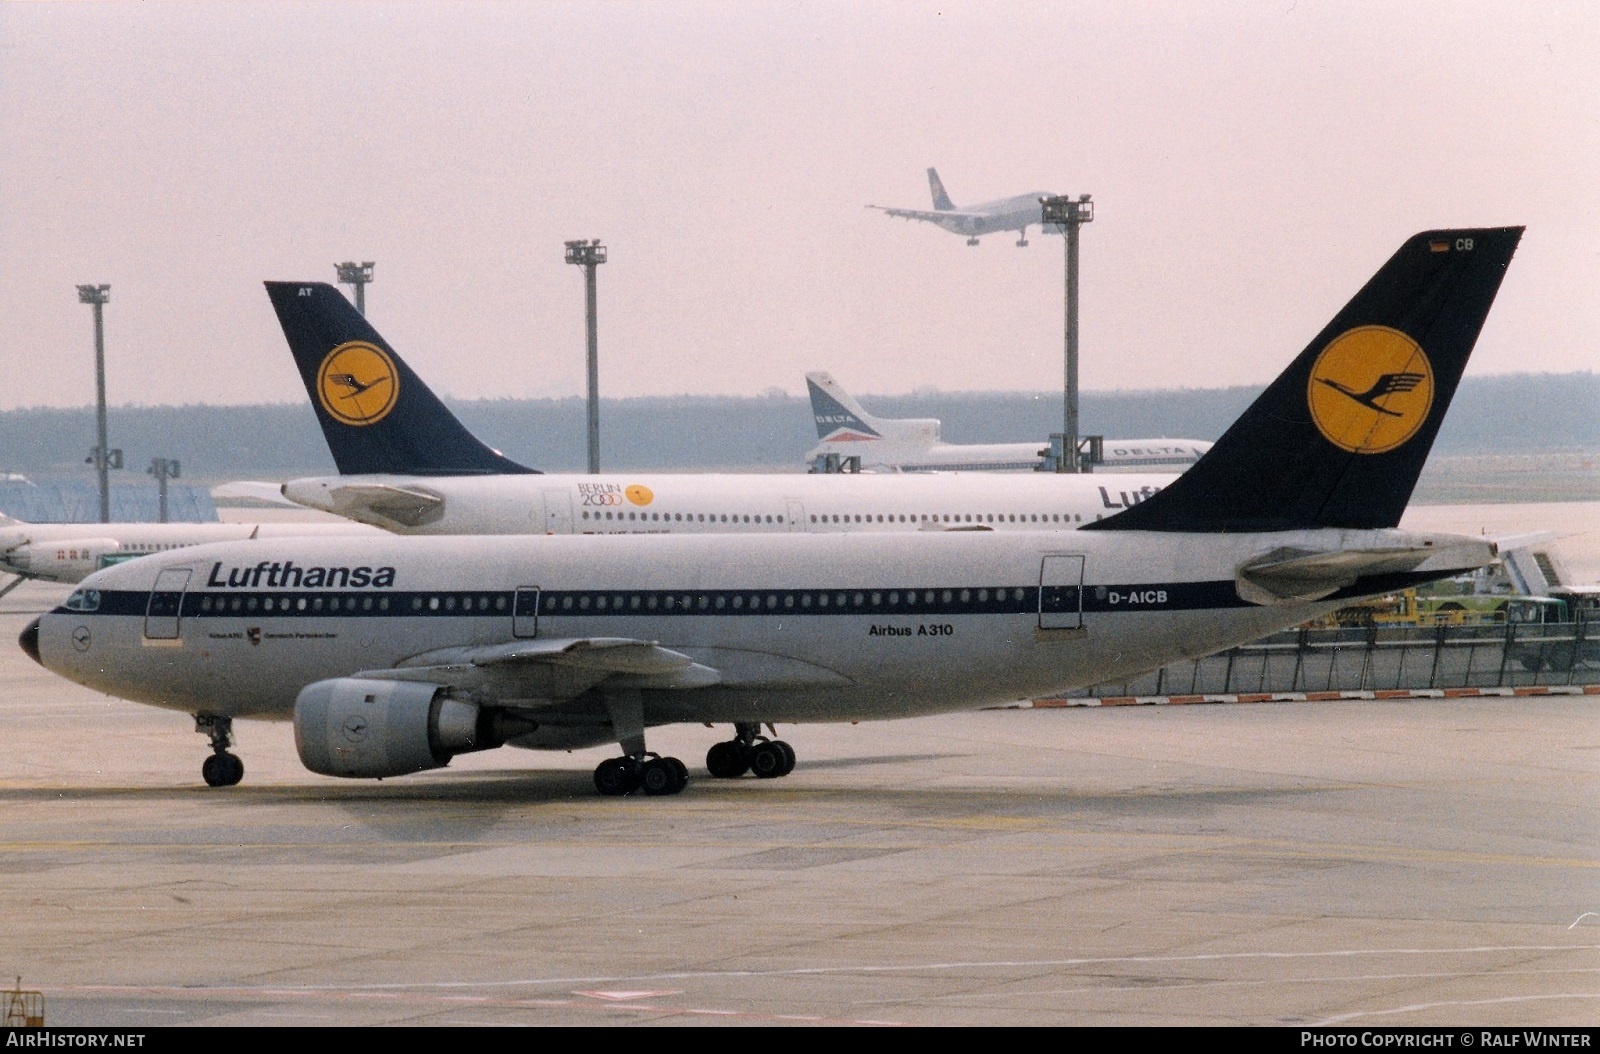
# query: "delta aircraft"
{"type": "Point", "coordinates": [67, 552]}
{"type": "Point", "coordinates": [913, 444]}
{"type": "Point", "coordinates": [991, 217]}
{"type": "Point", "coordinates": [391, 656]}
{"type": "Point", "coordinates": [408, 465]}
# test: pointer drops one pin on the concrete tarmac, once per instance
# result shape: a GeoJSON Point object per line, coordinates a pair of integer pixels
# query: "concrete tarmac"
{"type": "Point", "coordinates": [1393, 863]}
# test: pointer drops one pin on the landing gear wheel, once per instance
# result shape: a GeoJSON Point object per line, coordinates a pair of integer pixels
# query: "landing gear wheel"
{"type": "Point", "coordinates": [222, 770]}
{"type": "Point", "coordinates": [663, 776]}
{"type": "Point", "coordinates": [728, 760]}
{"type": "Point", "coordinates": [772, 759]}
{"type": "Point", "coordinates": [616, 776]}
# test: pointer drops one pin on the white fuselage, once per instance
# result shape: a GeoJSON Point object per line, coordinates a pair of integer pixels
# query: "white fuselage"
{"type": "Point", "coordinates": [1120, 456]}
{"type": "Point", "coordinates": [67, 552]}
{"type": "Point", "coordinates": [989, 217]}
{"type": "Point", "coordinates": [791, 628]}
{"type": "Point", "coordinates": [617, 503]}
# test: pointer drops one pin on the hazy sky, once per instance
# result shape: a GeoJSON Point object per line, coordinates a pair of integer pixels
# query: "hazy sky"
{"type": "Point", "coordinates": [1251, 165]}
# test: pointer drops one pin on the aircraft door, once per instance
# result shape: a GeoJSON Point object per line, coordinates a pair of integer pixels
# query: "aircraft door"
{"type": "Point", "coordinates": [525, 612]}
{"type": "Point", "coordinates": [166, 602]}
{"type": "Point", "coordinates": [797, 514]}
{"type": "Point", "coordinates": [557, 512]}
{"type": "Point", "coordinates": [1061, 592]}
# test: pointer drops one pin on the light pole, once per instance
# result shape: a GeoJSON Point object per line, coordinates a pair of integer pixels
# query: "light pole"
{"type": "Point", "coordinates": [1064, 212]}
{"type": "Point", "coordinates": [358, 275]}
{"type": "Point", "coordinates": [163, 469]}
{"type": "Point", "coordinates": [589, 255]}
{"type": "Point", "coordinates": [100, 457]}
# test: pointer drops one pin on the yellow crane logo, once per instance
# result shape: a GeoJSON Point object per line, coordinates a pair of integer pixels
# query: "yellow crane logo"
{"type": "Point", "coordinates": [358, 384]}
{"type": "Point", "coordinates": [1370, 390]}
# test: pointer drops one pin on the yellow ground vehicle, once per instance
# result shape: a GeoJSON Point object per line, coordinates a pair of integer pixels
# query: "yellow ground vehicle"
{"type": "Point", "coordinates": [1409, 608]}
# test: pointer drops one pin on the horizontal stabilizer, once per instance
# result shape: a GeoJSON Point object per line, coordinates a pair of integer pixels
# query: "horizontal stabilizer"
{"type": "Point", "coordinates": [367, 502]}
{"type": "Point", "coordinates": [1297, 576]}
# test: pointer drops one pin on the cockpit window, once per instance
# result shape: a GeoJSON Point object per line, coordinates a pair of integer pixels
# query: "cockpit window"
{"type": "Point", "coordinates": [83, 600]}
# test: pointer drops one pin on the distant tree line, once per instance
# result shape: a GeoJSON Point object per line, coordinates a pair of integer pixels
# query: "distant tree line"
{"type": "Point", "coordinates": [1519, 413]}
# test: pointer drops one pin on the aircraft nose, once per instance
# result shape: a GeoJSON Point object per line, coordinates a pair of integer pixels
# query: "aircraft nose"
{"type": "Point", "coordinates": [30, 640]}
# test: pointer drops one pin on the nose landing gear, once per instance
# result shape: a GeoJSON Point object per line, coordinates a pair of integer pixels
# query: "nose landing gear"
{"type": "Point", "coordinates": [221, 769]}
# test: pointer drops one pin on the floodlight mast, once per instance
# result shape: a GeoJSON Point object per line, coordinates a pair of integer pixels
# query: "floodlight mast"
{"type": "Point", "coordinates": [100, 456]}
{"type": "Point", "coordinates": [589, 255]}
{"type": "Point", "coordinates": [163, 469]}
{"type": "Point", "coordinates": [1068, 214]}
{"type": "Point", "coordinates": [358, 275]}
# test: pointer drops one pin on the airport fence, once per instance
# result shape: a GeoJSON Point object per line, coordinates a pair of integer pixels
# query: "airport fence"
{"type": "Point", "coordinates": [1379, 658]}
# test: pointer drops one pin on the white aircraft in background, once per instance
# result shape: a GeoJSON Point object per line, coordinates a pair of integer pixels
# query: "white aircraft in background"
{"type": "Point", "coordinates": [913, 444]}
{"type": "Point", "coordinates": [393, 655]}
{"type": "Point", "coordinates": [408, 465]}
{"type": "Point", "coordinates": [990, 217]}
{"type": "Point", "coordinates": [68, 552]}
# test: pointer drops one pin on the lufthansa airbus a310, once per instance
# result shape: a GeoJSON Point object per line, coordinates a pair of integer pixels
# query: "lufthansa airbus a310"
{"type": "Point", "coordinates": [392, 656]}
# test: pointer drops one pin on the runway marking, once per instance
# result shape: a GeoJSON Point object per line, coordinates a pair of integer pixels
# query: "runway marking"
{"type": "Point", "coordinates": [1276, 981]}
{"type": "Point", "coordinates": [1240, 845]}
{"type": "Point", "coordinates": [1453, 1003]}
{"type": "Point", "coordinates": [328, 993]}
{"type": "Point", "coordinates": [395, 989]}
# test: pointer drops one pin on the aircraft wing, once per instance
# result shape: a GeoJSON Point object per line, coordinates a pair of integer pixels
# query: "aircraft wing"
{"type": "Point", "coordinates": [929, 215]}
{"type": "Point", "coordinates": [382, 504]}
{"type": "Point", "coordinates": [1292, 576]}
{"type": "Point", "coordinates": [551, 670]}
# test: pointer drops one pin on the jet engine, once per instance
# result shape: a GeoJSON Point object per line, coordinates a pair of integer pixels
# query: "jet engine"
{"type": "Point", "coordinates": [360, 727]}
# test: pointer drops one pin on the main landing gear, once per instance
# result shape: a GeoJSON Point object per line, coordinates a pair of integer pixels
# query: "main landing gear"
{"type": "Point", "coordinates": [652, 773]}
{"type": "Point", "coordinates": [972, 241]}
{"type": "Point", "coordinates": [749, 751]}
{"type": "Point", "coordinates": [221, 769]}
{"type": "Point", "coordinates": [637, 768]}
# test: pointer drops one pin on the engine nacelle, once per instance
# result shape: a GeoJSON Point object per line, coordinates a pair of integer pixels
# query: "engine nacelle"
{"type": "Point", "coordinates": [68, 561]}
{"type": "Point", "coordinates": [353, 726]}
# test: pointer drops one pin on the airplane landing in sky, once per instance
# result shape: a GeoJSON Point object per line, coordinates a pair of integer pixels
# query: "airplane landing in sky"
{"type": "Point", "coordinates": [990, 217]}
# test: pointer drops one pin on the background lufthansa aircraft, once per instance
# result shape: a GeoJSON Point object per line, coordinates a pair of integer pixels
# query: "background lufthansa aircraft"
{"type": "Point", "coordinates": [67, 552]}
{"type": "Point", "coordinates": [990, 217]}
{"type": "Point", "coordinates": [409, 465]}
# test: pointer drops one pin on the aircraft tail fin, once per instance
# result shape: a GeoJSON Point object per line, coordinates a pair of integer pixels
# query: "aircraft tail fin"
{"type": "Point", "coordinates": [941, 200]}
{"type": "Point", "coordinates": [1339, 439]}
{"type": "Point", "coordinates": [377, 415]}
{"type": "Point", "coordinates": [835, 411]}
